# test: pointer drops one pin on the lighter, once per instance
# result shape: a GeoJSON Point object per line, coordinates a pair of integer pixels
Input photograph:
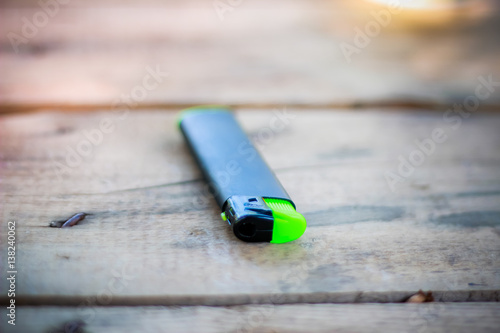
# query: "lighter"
{"type": "Point", "coordinates": [252, 199]}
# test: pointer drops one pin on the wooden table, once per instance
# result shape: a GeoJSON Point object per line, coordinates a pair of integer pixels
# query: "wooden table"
{"type": "Point", "coordinates": [400, 192]}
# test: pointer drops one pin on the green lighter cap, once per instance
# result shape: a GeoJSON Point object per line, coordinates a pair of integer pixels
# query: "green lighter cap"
{"type": "Point", "coordinates": [288, 223]}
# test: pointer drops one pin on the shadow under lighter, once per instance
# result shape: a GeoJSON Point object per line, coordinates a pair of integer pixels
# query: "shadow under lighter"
{"type": "Point", "coordinates": [252, 199]}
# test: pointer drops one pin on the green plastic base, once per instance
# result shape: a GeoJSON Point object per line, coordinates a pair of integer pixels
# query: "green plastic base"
{"type": "Point", "coordinates": [200, 109]}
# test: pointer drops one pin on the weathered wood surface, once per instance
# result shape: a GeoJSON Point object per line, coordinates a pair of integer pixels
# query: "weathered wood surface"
{"type": "Point", "coordinates": [155, 237]}
{"type": "Point", "coordinates": [428, 317]}
{"type": "Point", "coordinates": [262, 52]}
{"type": "Point", "coordinates": [154, 233]}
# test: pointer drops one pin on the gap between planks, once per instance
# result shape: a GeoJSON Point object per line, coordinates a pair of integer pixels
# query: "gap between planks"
{"type": "Point", "coordinates": [229, 300]}
{"type": "Point", "coordinates": [7, 108]}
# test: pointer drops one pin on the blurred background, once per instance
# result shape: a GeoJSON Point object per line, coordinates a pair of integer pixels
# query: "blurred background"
{"type": "Point", "coordinates": [247, 52]}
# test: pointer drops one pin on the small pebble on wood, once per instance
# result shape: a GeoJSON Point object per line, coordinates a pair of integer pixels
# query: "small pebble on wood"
{"type": "Point", "coordinates": [73, 220]}
{"type": "Point", "coordinates": [421, 297]}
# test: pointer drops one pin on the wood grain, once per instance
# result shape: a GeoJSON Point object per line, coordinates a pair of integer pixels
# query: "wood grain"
{"type": "Point", "coordinates": [154, 255]}
{"type": "Point", "coordinates": [93, 52]}
{"type": "Point", "coordinates": [435, 317]}
{"type": "Point", "coordinates": [155, 233]}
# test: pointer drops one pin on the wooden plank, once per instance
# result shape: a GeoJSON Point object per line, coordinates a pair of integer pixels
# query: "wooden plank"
{"type": "Point", "coordinates": [261, 53]}
{"type": "Point", "coordinates": [435, 317]}
{"type": "Point", "coordinates": [155, 233]}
